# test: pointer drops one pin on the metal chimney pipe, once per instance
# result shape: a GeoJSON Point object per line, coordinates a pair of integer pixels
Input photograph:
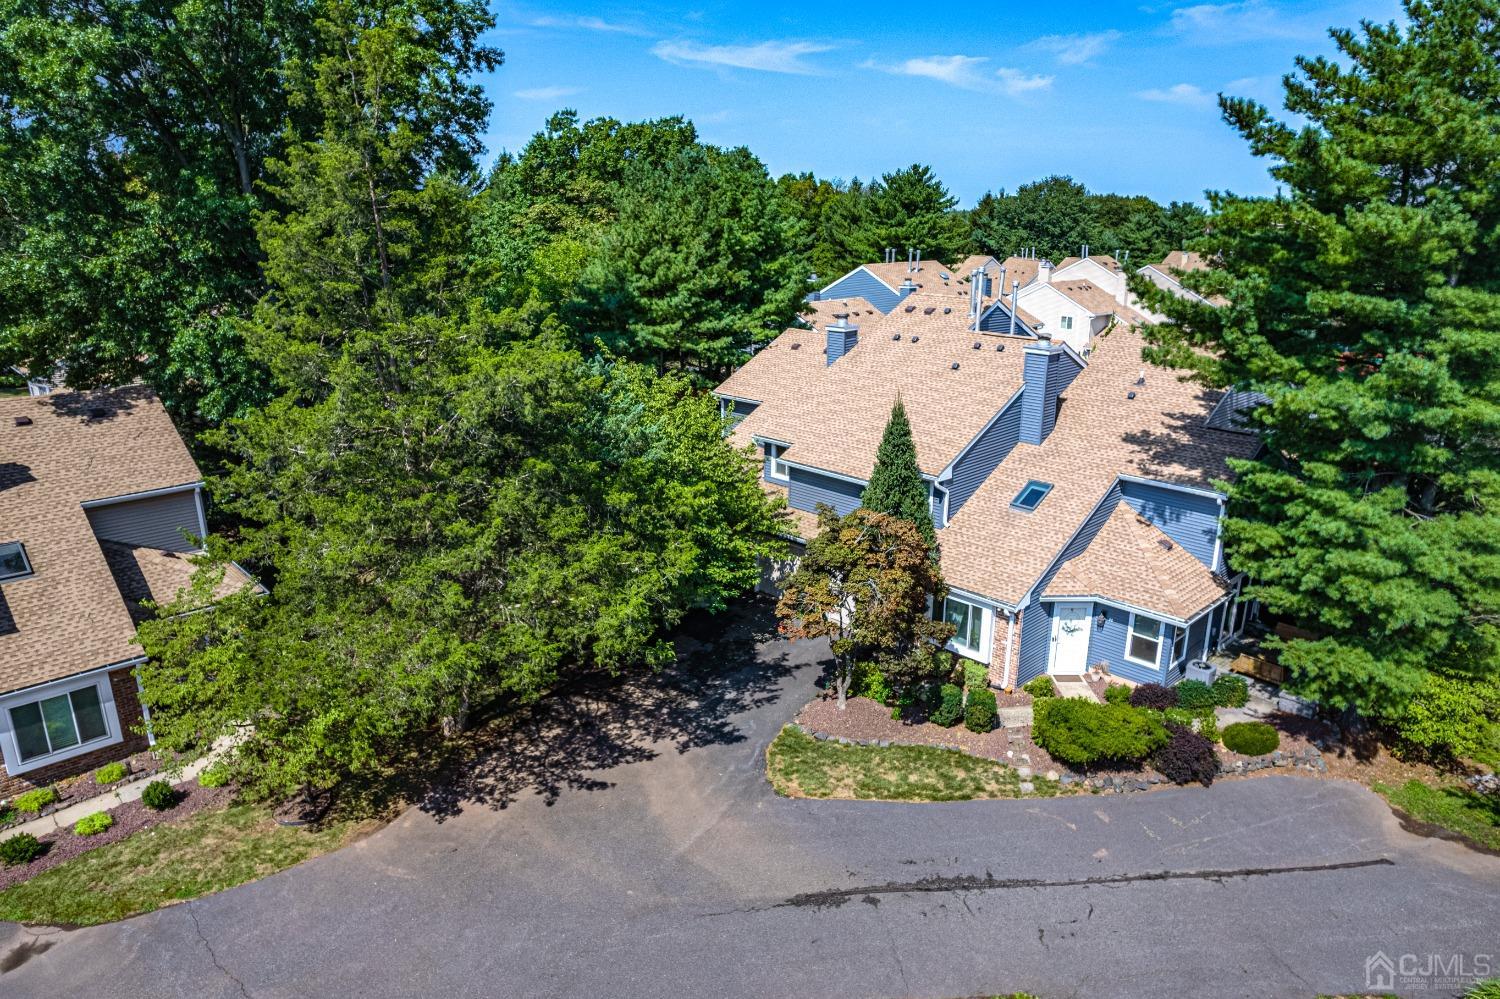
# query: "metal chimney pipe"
{"type": "Point", "coordinates": [1015, 292]}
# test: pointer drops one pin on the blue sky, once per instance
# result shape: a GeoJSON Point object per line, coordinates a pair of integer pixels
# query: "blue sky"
{"type": "Point", "coordinates": [1120, 97]}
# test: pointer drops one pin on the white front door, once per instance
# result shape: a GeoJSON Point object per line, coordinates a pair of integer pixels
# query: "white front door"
{"type": "Point", "coordinates": [1070, 639]}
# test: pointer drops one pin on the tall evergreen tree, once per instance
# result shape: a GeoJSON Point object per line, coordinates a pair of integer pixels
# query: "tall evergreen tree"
{"type": "Point", "coordinates": [912, 208]}
{"type": "Point", "coordinates": [1365, 304]}
{"type": "Point", "coordinates": [896, 485]}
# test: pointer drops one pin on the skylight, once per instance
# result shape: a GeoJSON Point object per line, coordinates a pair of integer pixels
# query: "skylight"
{"type": "Point", "coordinates": [13, 560]}
{"type": "Point", "coordinates": [1031, 495]}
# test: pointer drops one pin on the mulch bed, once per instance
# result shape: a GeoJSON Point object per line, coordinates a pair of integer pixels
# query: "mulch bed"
{"type": "Point", "coordinates": [867, 719]}
{"type": "Point", "coordinates": [1017, 698]}
{"type": "Point", "coordinates": [82, 787]}
{"type": "Point", "coordinates": [130, 818]}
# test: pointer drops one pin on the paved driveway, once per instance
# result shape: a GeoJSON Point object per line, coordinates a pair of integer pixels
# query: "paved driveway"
{"type": "Point", "coordinates": [629, 846]}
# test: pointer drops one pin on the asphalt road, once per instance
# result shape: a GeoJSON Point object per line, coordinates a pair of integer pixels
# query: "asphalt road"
{"type": "Point", "coordinates": [628, 845]}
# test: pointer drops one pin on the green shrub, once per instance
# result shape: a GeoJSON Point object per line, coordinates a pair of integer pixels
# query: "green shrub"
{"type": "Point", "coordinates": [158, 796]}
{"type": "Point", "coordinates": [1231, 691]}
{"type": "Point", "coordinates": [93, 825]}
{"type": "Point", "coordinates": [950, 709]}
{"type": "Point", "coordinates": [1195, 695]}
{"type": "Point", "coordinates": [976, 675]}
{"type": "Point", "coordinates": [1117, 693]}
{"type": "Point", "coordinates": [1041, 687]}
{"type": "Point", "coordinates": [869, 682]}
{"type": "Point", "coordinates": [22, 848]}
{"type": "Point", "coordinates": [1487, 989]}
{"type": "Point", "coordinates": [982, 711]}
{"type": "Point", "coordinates": [1251, 738]}
{"type": "Point", "coordinates": [1187, 757]}
{"type": "Point", "coordinates": [1208, 726]}
{"type": "Point", "coordinates": [35, 800]}
{"type": "Point", "coordinates": [1153, 696]}
{"type": "Point", "coordinates": [1082, 732]}
{"type": "Point", "coordinates": [218, 775]}
{"type": "Point", "coordinates": [110, 773]}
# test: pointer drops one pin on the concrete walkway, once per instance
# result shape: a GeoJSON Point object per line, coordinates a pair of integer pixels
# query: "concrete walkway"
{"type": "Point", "coordinates": [65, 817]}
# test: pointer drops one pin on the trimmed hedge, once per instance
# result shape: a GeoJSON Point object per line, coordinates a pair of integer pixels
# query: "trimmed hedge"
{"type": "Point", "coordinates": [1231, 691]}
{"type": "Point", "coordinates": [1251, 738]}
{"type": "Point", "coordinates": [34, 800]}
{"type": "Point", "coordinates": [1040, 687]}
{"type": "Point", "coordinates": [1187, 757]}
{"type": "Point", "coordinates": [1081, 732]}
{"type": "Point", "coordinates": [1117, 693]}
{"type": "Point", "coordinates": [950, 709]}
{"type": "Point", "coordinates": [1195, 695]}
{"type": "Point", "coordinates": [158, 796]}
{"type": "Point", "coordinates": [22, 848]}
{"type": "Point", "coordinates": [982, 711]}
{"type": "Point", "coordinates": [976, 675]}
{"type": "Point", "coordinates": [1153, 696]}
{"type": "Point", "coordinates": [93, 825]}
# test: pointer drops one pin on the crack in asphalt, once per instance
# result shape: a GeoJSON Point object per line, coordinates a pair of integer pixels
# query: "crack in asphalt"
{"type": "Point", "coordinates": [834, 897]}
{"type": "Point", "coordinates": [214, 957]}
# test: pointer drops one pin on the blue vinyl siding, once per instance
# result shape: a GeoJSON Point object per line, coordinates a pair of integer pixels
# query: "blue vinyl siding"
{"type": "Point", "coordinates": [1107, 644]}
{"type": "Point", "coordinates": [998, 321]}
{"type": "Point", "coordinates": [935, 507]}
{"type": "Point", "coordinates": [984, 456]}
{"type": "Point", "coordinates": [862, 284]}
{"type": "Point", "coordinates": [1189, 519]}
{"type": "Point", "coordinates": [1046, 376]}
{"type": "Point", "coordinates": [807, 489]}
{"type": "Point", "coordinates": [743, 409]}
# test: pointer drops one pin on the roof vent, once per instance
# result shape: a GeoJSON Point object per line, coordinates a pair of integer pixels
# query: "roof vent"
{"type": "Point", "coordinates": [929, 310]}
{"type": "Point", "coordinates": [978, 345]}
{"type": "Point", "coordinates": [999, 347]}
{"type": "Point", "coordinates": [1130, 395]}
{"type": "Point", "coordinates": [1166, 544]}
{"type": "Point", "coordinates": [895, 336]}
{"type": "Point", "coordinates": [1140, 379]}
{"type": "Point", "coordinates": [23, 421]}
{"type": "Point", "coordinates": [915, 338]}
{"type": "Point", "coordinates": [911, 308]}
{"type": "Point", "coordinates": [796, 346]}
{"type": "Point", "coordinates": [955, 366]}
{"type": "Point", "coordinates": [947, 309]}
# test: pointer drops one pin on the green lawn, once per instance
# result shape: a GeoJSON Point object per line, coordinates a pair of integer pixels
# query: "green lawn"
{"type": "Point", "coordinates": [169, 863]}
{"type": "Point", "coordinates": [800, 766]}
{"type": "Point", "coordinates": [1474, 816]}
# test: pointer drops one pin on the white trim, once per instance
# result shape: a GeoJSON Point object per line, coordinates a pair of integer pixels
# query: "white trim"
{"type": "Point", "coordinates": [11, 750]}
{"type": "Point", "coordinates": [1179, 285]}
{"type": "Point", "coordinates": [146, 494]}
{"type": "Point", "coordinates": [774, 454]}
{"type": "Point", "coordinates": [1130, 632]}
{"type": "Point", "coordinates": [1056, 630]}
{"type": "Point", "coordinates": [969, 596]}
{"type": "Point", "coordinates": [202, 516]}
{"type": "Point", "coordinates": [1133, 608]}
{"type": "Point", "coordinates": [758, 439]}
{"type": "Point", "coordinates": [29, 569]}
{"type": "Point", "coordinates": [823, 471]}
{"type": "Point", "coordinates": [1010, 640]}
{"type": "Point", "coordinates": [1021, 324]}
{"type": "Point", "coordinates": [1219, 538]}
{"type": "Point", "coordinates": [723, 396]}
{"type": "Point", "coordinates": [984, 653]}
{"type": "Point", "coordinates": [1209, 493]}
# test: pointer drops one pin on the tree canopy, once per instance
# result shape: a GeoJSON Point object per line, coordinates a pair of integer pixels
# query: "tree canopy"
{"type": "Point", "coordinates": [1365, 304]}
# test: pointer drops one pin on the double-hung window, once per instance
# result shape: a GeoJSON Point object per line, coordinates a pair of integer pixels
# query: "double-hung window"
{"type": "Point", "coordinates": [59, 725]}
{"type": "Point", "coordinates": [968, 622]}
{"type": "Point", "coordinates": [778, 467]}
{"type": "Point", "coordinates": [1067, 322]}
{"type": "Point", "coordinates": [1143, 643]}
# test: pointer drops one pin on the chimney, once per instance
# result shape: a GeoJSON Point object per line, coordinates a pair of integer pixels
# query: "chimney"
{"type": "Point", "coordinates": [1044, 271]}
{"type": "Point", "coordinates": [976, 296]}
{"type": "Point", "coordinates": [841, 337]}
{"type": "Point", "coordinates": [919, 261]}
{"type": "Point", "coordinates": [1015, 293]}
{"type": "Point", "coordinates": [1085, 253]}
{"type": "Point", "coordinates": [1044, 378]}
{"type": "Point", "coordinates": [907, 287]}
{"type": "Point", "coordinates": [909, 266]}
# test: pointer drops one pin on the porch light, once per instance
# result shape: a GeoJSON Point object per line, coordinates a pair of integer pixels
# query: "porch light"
{"type": "Point", "coordinates": [1101, 620]}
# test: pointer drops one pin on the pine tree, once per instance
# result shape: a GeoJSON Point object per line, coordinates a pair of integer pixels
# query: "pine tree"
{"type": "Point", "coordinates": [896, 485]}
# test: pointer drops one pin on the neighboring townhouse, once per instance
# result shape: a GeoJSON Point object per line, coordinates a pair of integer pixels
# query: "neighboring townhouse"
{"type": "Point", "coordinates": [1072, 489]}
{"type": "Point", "coordinates": [1167, 275]}
{"type": "Point", "coordinates": [100, 506]}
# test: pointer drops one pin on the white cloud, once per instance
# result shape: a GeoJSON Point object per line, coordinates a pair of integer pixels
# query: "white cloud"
{"type": "Point", "coordinates": [588, 24]}
{"type": "Point", "coordinates": [1185, 94]}
{"type": "Point", "coordinates": [1075, 50]}
{"type": "Point", "coordinates": [768, 57]}
{"type": "Point", "coordinates": [1241, 21]}
{"type": "Point", "coordinates": [546, 93]}
{"type": "Point", "coordinates": [968, 73]}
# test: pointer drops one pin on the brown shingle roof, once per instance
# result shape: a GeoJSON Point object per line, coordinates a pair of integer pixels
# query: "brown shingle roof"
{"type": "Point", "coordinates": [1182, 260]}
{"type": "Point", "coordinates": [68, 615]}
{"type": "Point", "coordinates": [1130, 561]}
{"type": "Point", "coordinates": [1022, 269]}
{"type": "Point", "coordinates": [143, 574]}
{"type": "Point", "coordinates": [821, 312]}
{"type": "Point", "coordinates": [778, 368]}
{"type": "Point", "coordinates": [998, 552]}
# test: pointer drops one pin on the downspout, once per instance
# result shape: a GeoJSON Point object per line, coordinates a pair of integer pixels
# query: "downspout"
{"type": "Point", "coordinates": [145, 708]}
{"type": "Point", "coordinates": [1010, 639]}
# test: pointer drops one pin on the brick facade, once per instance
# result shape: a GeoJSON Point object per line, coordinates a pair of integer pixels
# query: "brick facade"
{"type": "Point", "coordinates": [1003, 673]}
{"type": "Point", "coordinates": [128, 708]}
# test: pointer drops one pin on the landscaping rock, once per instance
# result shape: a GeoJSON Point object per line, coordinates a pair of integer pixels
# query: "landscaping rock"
{"type": "Point", "coordinates": [1027, 787]}
{"type": "Point", "coordinates": [1023, 772]}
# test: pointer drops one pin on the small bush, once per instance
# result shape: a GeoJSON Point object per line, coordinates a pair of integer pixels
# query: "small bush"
{"type": "Point", "coordinates": [1487, 989]}
{"type": "Point", "coordinates": [1231, 691]}
{"type": "Point", "coordinates": [950, 709]}
{"type": "Point", "coordinates": [93, 825]}
{"type": "Point", "coordinates": [1208, 726]}
{"type": "Point", "coordinates": [22, 848]}
{"type": "Point", "coordinates": [218, 775]}
{"type": "Point", "coordinates": [1153, 696]}
{"type": "Point", "coordinates": [1082, 732]}
{"type": "Point", "coordinates": [982, 711]}
{"type": "Point", "coordinates": [1041, 687]}
{"type": "Point", "coordinates": [1195, 695]}
{"type": "Point", "coordinates": [1187, 757]}
{"type": "Point", "coordinates": [35, 800]}
{"type": "Point", "coordinates": [158, 796]}
{"type": "Point", "coordinates": [1117, 693]}
{"type": "Point", "coordinates": [869, 682]}
{"type": "Point", "coordinates": [976, 675]}
{"type": "Point", "coordinates": [110, 773]}
{"type": "Point", "coordinates": [1251, 738]}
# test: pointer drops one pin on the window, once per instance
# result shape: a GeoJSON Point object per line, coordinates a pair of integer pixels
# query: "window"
{"type": "Point", "coordinates": [1030, 495]}
{"type": "Point", "coordinates": [1067, 322]}
{"type": "Point", "coordinates": [1179, 644]}
{"type": "Point", "coordinates": [778, 467]}
{"type": "Point", "coordinates": [1143, 643]}
{"type": "Point", "coordinates": [13, 561]}
{"type": "Point", "coordinates": [54, 724]}
{"type": "Point", "coordinates": [968, 620]}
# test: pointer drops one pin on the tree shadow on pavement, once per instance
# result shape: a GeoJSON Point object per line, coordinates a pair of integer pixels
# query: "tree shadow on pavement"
{"type": "Point", "coordinates": [726, 664]}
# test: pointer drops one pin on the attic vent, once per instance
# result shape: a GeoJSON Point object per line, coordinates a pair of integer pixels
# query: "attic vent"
{"type": "Point", "coordinates": [929, 310]}
{"type": "Point", "coordinates": [911, 308]}
{"type": "Point", "coordinates": [796, 346]}
{"type": "Point", "coordinates": [947, 309]}
{"type": "Point", "coordinates": [23, 421]}
{"type": "Point", "coordinates": [915, 338]}
{"type": "Point", "coordinates": [978, 345]}
{"type": "Point", "coordinates": [895, 336]}
{"type": "Point", "coordinates": [1130, 395]}
{"type": "Point", "coordinates": [955, 366]}
{"type": "Point", "coordinates": [944, 275]}
{"type": "Point", "coordinates": [999, 347]}
{"type": "Point", "coordinates": [1166, 545]}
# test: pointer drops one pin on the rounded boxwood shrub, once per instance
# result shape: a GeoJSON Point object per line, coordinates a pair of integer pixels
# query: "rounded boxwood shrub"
{"type": "Point", "coordinates": [110, 773]}
{"type": "Point", "coordinates": [214, 776]}
{"type": "Point", "coordinates": [1194, 695]}
{"type": "Point", "coordinates": [1251, 738]}
{"type": "Point", "coordinates": [1153, 696]}
{"type": "Point", "coordinates": [1187, 757]}
{"type": "Point", "coordinates": [1081, 732]}
{"type": "Point", "coordinates": [22, 848]}
{"type": "Point", "coordinates": [1117, 693]}
{"type": "Point", "coordinates": [1231, 691]}
{"type": "Point", "coordinates": [158, 796]}
{"type": "Point", "coordinates": [976, 675]}
{"type": "Point", "coordinates": [93, 825]}
{"type": "Point", "coordinates": [35, 800]}
{"type": "Point", "coordinates": [950, 708]}
{"type": "Point", "coordinates": [982, 710]}
{"type": "Point", "coordinates": [1040, 687]}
